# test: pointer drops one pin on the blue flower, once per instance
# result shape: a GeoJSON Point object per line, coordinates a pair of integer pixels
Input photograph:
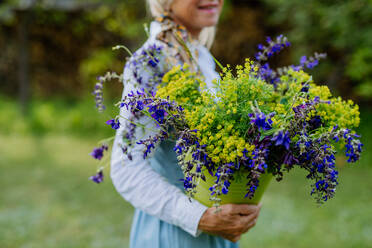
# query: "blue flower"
{"type": "Point", "coordinates": [245, 152]}
{"type": "Point", "coordinates": [251, 191]}
{"type": "Point", "coordinates": [315, 122]}
{"type": "Point", "coordinates": [353, 148]}
{"type": "Point", "coordinates": [259, 120]}
{"type": "Point", "coordinates": [140, 105]}
{"type": "Point", "coordinates": [289, 159]}
{"type": "Point", "coordinates": [320, 184]}
{"type": "Point", "coordinates": [312, 64]}
{"type": "Point", "coordinates": [178, 149]}
{"type": "Point", "coordinates": [282, 139]}
{"type": "Point", "coordinates": [114, 124]}
{"type": "Point", "coordinates": [153, 62]}
{"type": "Point", "coordinates": [305, 88]}
{"type": "Point", "coordinates": [98, 178]}
{"type": "Point", "coordinates": [97, 153]}
{"type": "Point", "coordinates": [159, 115]}
{"type": "Point", "coordinates": [303, 60]}
{"type": "Point", "coordinates": [187, 183]}
{"type": "Point", "coordinates": [225, 187]}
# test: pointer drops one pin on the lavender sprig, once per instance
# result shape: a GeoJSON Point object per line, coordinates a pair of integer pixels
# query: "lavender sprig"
{"type": "Point", "coordinates": [275, 46]}
{"type": "Point", "coordinates": [305, 62]}
{"type": "Point", "coordinates": [272, 47]}
{"type": "Point", "coordinates": [98, 88]}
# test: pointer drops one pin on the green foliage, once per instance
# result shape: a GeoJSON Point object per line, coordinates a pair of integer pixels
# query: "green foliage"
{"type": "Point", "coordinates": [68, 46]}
{"type": "Point", "coordinates": [360, 69]}
{"type": "Point", "coordinates": [123, 18]}
{"type": "Point", "coordinates": [60, 116]}
{"type": "Point", "coordinates": [340, 28]}
{"type": "Point", "coordinates": [97, 64]}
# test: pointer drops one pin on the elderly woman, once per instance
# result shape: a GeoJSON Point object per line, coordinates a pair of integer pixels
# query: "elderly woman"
{"type": "Point", "coordinates": [164, 215]}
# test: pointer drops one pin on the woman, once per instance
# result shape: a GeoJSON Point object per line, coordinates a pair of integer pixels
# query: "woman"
{"type": "Point", "coordinates": [164, 215]}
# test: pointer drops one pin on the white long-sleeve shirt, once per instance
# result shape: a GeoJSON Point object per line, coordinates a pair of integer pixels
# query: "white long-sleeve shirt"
{"type": "Point", "coordinates": [137, 182]}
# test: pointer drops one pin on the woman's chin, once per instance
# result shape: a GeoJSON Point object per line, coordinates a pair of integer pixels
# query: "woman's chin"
{"type": "Point", "coordinates": [208, 22]}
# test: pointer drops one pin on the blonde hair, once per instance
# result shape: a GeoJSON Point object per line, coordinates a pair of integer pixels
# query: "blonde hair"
{"type": "Point", "coordinates": [158, 7]}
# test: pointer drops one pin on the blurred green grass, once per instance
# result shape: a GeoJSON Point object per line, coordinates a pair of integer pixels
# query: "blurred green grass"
{"type": "Point", "coordinates": [48, 201]}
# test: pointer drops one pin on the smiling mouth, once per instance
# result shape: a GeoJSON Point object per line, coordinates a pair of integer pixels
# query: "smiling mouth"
{"type": "Point", "coordinates": [208, 7]}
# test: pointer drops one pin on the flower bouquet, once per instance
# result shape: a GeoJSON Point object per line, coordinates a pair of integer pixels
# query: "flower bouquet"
{"type": "Point", "coordinates": [255, 123]}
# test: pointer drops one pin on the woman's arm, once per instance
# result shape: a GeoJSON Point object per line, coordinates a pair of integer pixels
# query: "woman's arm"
{"type": "Point", "coordinates": [144, 188]}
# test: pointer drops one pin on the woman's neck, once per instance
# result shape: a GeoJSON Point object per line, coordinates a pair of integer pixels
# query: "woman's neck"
{"type": "Point", "coordinates": [194, 32]}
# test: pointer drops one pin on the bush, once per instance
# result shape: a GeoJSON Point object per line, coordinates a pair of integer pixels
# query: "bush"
{"type": "Point", "coordinates": [56, 116]}
{"type": "Point", "coordinates": [340, 28]}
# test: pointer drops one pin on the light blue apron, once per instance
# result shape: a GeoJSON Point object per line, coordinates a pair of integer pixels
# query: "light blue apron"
{"type": "Point", "coordinates": [150, 232]}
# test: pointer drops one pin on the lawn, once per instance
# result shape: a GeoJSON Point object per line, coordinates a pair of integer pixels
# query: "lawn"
{"type": "Point", "coordinates": [48, 201]}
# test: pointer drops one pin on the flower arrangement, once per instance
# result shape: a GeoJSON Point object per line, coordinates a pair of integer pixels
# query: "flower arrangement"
{"type": "Point", "coordinates": [254, 122]}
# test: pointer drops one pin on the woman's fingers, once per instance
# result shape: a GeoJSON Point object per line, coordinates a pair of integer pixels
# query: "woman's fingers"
{"type": "Point", "coordinates": [249, 217]}
{"type": "Point", "coordinates": [231, 221]}
{"type": "Point", "coordinates": [232, 238]}
{"type": "Point", "coordinates": [236, 238]}
{"type": "Point", "coordinates": [250, 225]}
{"type": "Point", "coordinates": [249, 221]}
{"type": "Point", "coordinates": [242, 209]}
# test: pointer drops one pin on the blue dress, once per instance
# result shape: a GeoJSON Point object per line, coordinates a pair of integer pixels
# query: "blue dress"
{"type": "Point", "coordinates": [149, 231]}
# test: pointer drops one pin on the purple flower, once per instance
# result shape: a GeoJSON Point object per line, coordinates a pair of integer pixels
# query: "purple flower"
{"type": "Point", "coordinates": [289, 159]}
{"type": "Point", "coordinates": [98, 93]}
{"type": "Point", "coordinates": [305, 88]}
{"type": "Point", "coordinates": [158, 114]}
{"type": "Point", "coordinates": [153, 62]}
{"type": "Point", "coordinates": [282, 139]}
{"type": "Point", "coordinates": [97, 153]}
{"type": "Point", "coordinates": [296, 67]}
{"type": "Point", "coordinates": [315, 122]}
{"type": "Point", "coordinates": [187, 183]}
{"type": "Point", "coordinates": [303, 60]}
{"type": "Point", "coordinates": [225, 187]}
{"type": "Point", "coordinates": [353, 146]}
{"type": "Point", "coordinates": [321, 184]}
{"type": "Point", "coordinates": [98, 178]}
{"type": "Point", "coordinates": [312, 61]}
{"type": "Point", "coordinates": [114, 124]}
{"type": "Point", "coordinates": [259, 120]}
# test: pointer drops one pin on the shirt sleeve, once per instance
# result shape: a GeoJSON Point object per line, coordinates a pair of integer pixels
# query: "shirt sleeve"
{"type": "Point", "coordinates": [143, 187]}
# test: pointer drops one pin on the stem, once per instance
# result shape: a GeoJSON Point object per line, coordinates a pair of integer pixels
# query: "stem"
{"type": "Point", "coordinates": [123, 47]}
{"type": "Point", "coordinates": [146, 27]}
{"type": "Point", "coordinates": [217, 62]}
{"type": "Point", "coordinates": [106, 140]}
{"type": "Point", "coordinates": [138, 124]}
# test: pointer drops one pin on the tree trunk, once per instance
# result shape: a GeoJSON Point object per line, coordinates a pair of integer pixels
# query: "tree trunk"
{"type": "Point", "coordinates": [23, 60]}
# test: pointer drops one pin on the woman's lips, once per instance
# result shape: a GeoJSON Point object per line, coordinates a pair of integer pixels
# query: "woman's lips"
{"type": "Point", "coordinates": [210, 8]}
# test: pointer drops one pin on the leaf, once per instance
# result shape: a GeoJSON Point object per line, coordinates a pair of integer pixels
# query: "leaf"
{"type": "Point", "coordinates": [284, 101]}
{"type": "Point", "coordinates": [188, 156]}
{"type": "Point", "coordinates": [267, 133]}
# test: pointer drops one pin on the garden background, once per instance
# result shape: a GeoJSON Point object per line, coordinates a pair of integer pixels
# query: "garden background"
{"type": "Point", "coordinates": [50, 55]}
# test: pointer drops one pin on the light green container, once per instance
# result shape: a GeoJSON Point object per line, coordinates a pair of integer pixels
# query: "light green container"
{"type": "Point", "coordinates": [237, 190]}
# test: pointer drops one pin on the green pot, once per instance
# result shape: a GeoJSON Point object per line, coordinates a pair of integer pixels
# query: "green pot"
{"type": "Point", "coordinates": [237, 190]}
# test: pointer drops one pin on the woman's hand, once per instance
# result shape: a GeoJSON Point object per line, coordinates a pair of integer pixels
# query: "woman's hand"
{"type": "Point", "coordinates": [230, 221]}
